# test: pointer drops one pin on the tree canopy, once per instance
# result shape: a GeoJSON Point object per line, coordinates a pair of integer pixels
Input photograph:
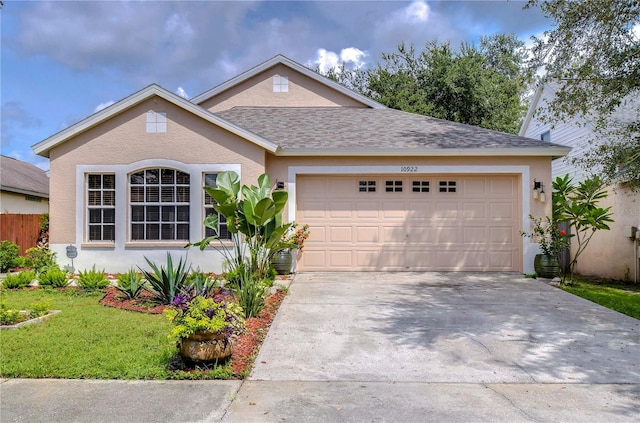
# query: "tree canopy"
{"type": "Point", "coordinates": [593, 53]}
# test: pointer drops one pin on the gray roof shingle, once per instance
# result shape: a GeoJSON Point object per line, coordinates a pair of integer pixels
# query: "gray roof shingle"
{"type": "Point", "coordinates": [22, 177]}
{"type": "Point", "coordinates": [368, 129]}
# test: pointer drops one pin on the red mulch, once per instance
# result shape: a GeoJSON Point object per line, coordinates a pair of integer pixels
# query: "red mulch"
{"type": "Point", "coordinates": [248, 344]}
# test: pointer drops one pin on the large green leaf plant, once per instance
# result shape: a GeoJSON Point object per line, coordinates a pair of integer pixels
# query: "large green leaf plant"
{"type": "Point", "coordinates": [254, 219]}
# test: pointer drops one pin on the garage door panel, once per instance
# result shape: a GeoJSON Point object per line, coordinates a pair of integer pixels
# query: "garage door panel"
{"type": "Point", "coordinates": [473, 225]}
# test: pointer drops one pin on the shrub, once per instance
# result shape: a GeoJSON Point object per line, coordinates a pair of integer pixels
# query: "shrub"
{"type": "Point", "coordinates": [40, 258]}
{"type": "Point", "coordinates": [166, 282]}
{"type": "Point", "coordinates": [200, 282]}
{"type": "Point", "coordinates": [39, 309]}
{"type": "Point", "coordinates": [130, 283]}
{"type": "Point", "coordinates": [93, 279]}
{"type": "Point", "coordinates": [19, 280]}
{"type": "Point", "coordinates": [250, 294]}
{"type": "Point", "coordinates": [8, 317]}
{"type": "Point", "coordinates": [8, 255]}
{"type": "Point", "coordinates": [54, 277]}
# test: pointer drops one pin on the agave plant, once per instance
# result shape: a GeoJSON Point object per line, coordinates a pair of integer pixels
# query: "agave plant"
{"type": "Point", "coordinates": [130, 284]}
{"type": "Point", "coordinates": [167, 281]}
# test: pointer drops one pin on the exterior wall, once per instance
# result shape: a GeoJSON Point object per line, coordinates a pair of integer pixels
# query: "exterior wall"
{"type": "Point", "coordinates": [526, 168]}
{"type": "Point", "coordinates": [11, 202]}
{"type": "Point", "coordinates": [258, 92]}
{"type": "Point", "coordinates": [122, 145]}
{"type": "Point", "coordinates": [609, 254]}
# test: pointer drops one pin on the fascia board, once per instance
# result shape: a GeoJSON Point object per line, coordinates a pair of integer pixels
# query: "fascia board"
{"type": "Point", "coordinates": [280, 59]}
{"type": "Point", "coordinates": [554, 152]}
{"type": "Point", "coordinates": [23, 191]}
{"type": "Point", "coordinates": [42, 148]}
{"type": "Point", "coordinates": [532, 108]}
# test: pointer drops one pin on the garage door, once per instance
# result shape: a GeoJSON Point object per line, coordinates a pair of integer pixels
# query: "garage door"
{"type": "Point", "coordinates": [410, 223]}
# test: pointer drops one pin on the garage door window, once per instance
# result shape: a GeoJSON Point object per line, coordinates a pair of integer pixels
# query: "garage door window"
{"type": "Point", "coordinates": [367, 186]}
{"type": "Point", "coordinates": [393, 186]}
{"type": "Point", "coordinates": [447, 186]}
{"type": "Point", "coordinates": [420, 186]}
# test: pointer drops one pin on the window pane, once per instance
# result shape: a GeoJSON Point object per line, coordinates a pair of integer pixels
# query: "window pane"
{"type": "Point", "coordinates": [153, 194]}
{"type": "Point", "coordinates": [108, 216]}
{"type": "Point", "coordinates": [182, 178]}
{"type": "Point", "coordinates": [168, 231]}
{"type": "Point", "coordinates": [95, 198]}
{"type": "Point", "coordinates": [137, 178]}
{"type": "Point", "coordinates": [168, 214]}
{"type": "Point", "coordinates": [182, 194]}
{"type": "Point", "coordinates": [137, 194]}
{"type": "Point", "coordinates": [137, 214]}
{"type": "Point", "coordinates": [109, 181]}
{"type": "Point", "coordinates": [183, 214]}
{"type": "Point", "coordinates": [210, 179]}
{"type": "Point", "coordinates": [95, 181]}
{"type": "Point", "coordinates": [152, 177]}
{"type": "Point", "coordinates": [109, 232]}
{"type": "Point", "coordinates": [95, 233]}
{"type": "Point", "coordinates": [168, 176]}
{"type": "Point", "coordinates": [183, 231]}
{"type": "Point", "coordinates": [95, 216]}
{"type": "Point", "coordinates": [153, 231]}
{"type": "Point", "coordinates": [167, 194]}
{"type": "Point", "coordinates": [109, 198]}
{"type": "Point", "coordinates": [137, 231]}
{"type": "Point", "coordinates": [153, 213]}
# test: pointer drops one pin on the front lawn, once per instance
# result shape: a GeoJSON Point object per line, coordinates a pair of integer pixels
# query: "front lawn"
{"type": "Point", "coordinates": [624, 298]}
{"type": "Point", "coordinates": [88, 341]}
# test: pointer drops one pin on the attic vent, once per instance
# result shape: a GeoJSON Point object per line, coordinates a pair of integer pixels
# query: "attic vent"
{"type": "Point", "coordinates": [156, 122]}
{"type": "Point", "coordinates": [280, 84]}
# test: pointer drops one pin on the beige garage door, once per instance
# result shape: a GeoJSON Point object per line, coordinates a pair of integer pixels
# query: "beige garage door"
{"type": "Point", "coordinates": [410, 223]}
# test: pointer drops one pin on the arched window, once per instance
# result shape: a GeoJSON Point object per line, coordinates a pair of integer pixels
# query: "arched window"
{"type": "Point", "coordinates": [159, 200]}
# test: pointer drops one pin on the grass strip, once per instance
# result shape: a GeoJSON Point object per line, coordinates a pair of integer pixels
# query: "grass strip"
{"type": "Point", "coordinates": [610, 294]}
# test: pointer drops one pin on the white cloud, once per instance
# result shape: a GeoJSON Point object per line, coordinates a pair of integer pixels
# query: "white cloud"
{"type": "Point", "coordinates": [102, 106]}
{"type": "Point", "coordinates": [182, 93]}
{"type": "Point", "coordinates": [418, 11]}
{"type": "Point", "coordinates": [636, 32]}
{"type": "Point", "coordinates": [350, 57]}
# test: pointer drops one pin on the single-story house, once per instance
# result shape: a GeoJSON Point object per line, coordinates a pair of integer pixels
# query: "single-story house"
{"type": "Point", "coordinates": [610, 253]}
{"type": "Point", "coordinates": [380, 189]}
{"type": "Point", "coordinates": [24, 187]}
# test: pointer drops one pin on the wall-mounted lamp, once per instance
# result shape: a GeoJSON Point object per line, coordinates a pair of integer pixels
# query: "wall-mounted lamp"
{"type": "Point", "coordinates": [542, 196]}
{"type": "Point", "coordinates": [537, 185]}
{"type": "Point", "coordinates": [279, 185]}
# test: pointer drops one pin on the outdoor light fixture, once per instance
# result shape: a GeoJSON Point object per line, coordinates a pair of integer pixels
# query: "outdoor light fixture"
{"type": "Point", "coordinates": [279, 185]}
{"type": "Point", "coordinates": [542, 196]}
{"type": "Point", "coordinates": [536, 186]}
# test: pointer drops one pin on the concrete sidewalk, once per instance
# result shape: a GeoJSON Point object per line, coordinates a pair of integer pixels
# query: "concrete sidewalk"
{"type": "Point", "coordinates": [391, 347]}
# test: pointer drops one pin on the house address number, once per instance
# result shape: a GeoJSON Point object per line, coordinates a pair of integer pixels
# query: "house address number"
{"type": "Point", "coordinates": [408, 169]}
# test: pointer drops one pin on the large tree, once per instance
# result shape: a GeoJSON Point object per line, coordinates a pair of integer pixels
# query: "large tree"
{"type": "Point", "coordinates": [593, 55]}
{"type": "Point", "coordinates": [478, 85]}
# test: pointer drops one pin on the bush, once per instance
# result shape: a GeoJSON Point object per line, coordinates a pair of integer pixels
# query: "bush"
{"type": "Point", "coordinates": [8, 317]}
{"type": "Point", "coordinates": [130, 284]}
{"type": "Point", "coordinates": [250, 293]}
{"type": "Point", "coordinates": [8, 255]}
{"type": "Point", "coordinates": [39, 309]}
{"type": "Point", "coordinates": [19, 280]}
{"type": "Point", "coordinates": [201, 283]}
{"type": "Point", "coordinates": [54, 277]}
{"type": "Point", "coordinates": [93, 279]}
{"type": "Point", "coordinates": [166, 282]}
{"type": "Point", "coordinates": [40, 258]}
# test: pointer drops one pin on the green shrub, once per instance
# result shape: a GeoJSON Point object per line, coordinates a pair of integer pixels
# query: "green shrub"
{"type": "Point", "coordinates": [39, 309]}
{"type": "Point", "coordinates": [8, 255]}
{"type": "Point", "coordinates": [19, 280]}
{"type": "Point", "coordinates": [40, 258]}
{"type": "Point", "coordinates": [130, 283]}
{"type": "Point", "coordinates": [8, 317]}
{"type": "Point", "coordinates": [93, 279]}
{"type": "Point", "coordinates": [166, 282]}
{"type": "Point", "coordinates": [250, 294]}
{"type": "Point", "coordinates": [54, 277]}
{"type": "Point", "coordinates": [201, 282]}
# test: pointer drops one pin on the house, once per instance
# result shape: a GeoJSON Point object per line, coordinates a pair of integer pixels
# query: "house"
{"type": "Point", "coordinates": [24, 198]}
{"type": "Point", "coordinates": [381, 189]}
{"type": "Point", "coordinates": [610, 253]}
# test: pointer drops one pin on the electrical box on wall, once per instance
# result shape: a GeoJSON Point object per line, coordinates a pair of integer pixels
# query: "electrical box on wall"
{"type": "Point", "coordinates": [630, 231]}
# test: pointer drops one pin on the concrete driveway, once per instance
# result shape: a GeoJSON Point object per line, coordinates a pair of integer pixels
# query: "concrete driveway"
{"type": "Point", "coordinates": [441, 347]}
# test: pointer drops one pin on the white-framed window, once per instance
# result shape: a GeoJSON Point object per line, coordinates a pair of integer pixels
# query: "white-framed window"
{"type": "Point", "coordinates": [159, 201]}
{"type": "Point", "coordinates": [208, 201]}
{"type": "Point", "coordinates": [546, 136]}
{"type": "Point", "coordinates": [101, 207]}
{"type": "Point", "coordinates": [280, 84]}
{"type": "Point", "coordinates": [156, 122]}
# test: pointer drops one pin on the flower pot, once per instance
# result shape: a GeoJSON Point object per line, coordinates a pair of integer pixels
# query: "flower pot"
{"type": "Point", "coordinates": [206, 346]}
{"type": "Point", "coordinates": [282, 262]}
{"type": "Point", "coordinates": [546, 266]}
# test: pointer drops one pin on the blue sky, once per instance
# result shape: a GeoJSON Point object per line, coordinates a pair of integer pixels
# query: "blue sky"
{"type": "Point", "coordinates": [62, 61]}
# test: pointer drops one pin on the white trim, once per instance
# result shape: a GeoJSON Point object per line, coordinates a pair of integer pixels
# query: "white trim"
{"type": "Point", "coordinates": [282, 60]}
{"type": "Point", "coordinates": [529, 250]}
{"type": "Point", "coordinates": [555, 152]}
{"type": "Point", "coordinates": [118, 251]}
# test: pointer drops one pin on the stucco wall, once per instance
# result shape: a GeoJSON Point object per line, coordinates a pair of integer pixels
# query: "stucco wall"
{"type": "Point", "coordinates": [528, 168]}
{"type": "Point", "coordinates": [258, 92]}
{"type": "Point", "coordinates": [10, 202]}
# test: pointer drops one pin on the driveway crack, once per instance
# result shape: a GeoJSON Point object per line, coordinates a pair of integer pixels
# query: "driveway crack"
{"type": "Point", "coordinates": [529, 416]}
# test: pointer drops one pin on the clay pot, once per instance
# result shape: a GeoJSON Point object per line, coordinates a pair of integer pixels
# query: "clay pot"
{"type": "Point", "coordinates": [282, 262]}
{"type": "Point", "coordinates": [206, 346]}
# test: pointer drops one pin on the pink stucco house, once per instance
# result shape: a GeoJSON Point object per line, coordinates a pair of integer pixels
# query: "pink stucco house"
{"type": "Point", "coordinates": [381, 189]}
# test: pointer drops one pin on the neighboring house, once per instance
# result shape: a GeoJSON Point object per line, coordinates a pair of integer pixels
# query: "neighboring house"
{"type": "Point", "coordinates": [381, 189]}
{"type": "Point", "coordinates": [610, 253]}
{"type": "Point", "coordinates": [24, 188]}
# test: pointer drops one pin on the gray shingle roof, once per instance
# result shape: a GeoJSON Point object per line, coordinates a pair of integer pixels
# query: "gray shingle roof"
{"type": "Point", "coordinates": [22, 177]}
{"type": "Point", "coordinates": [369, 129]}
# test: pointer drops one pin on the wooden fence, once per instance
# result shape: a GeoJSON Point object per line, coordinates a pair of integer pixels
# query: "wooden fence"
{"type": "Point", "coordinates": [23, 229]}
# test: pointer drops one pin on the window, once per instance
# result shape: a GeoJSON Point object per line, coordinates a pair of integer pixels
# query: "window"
{"type": "Point", "coordinates": [367, 186]}
{"type": "Point", "coordinates": [159, 205]}
{"type": "Point", "coordinates": [223, 232]}
{"type": "Point", "coordinates": [447, 186]}
{"type": "Point", "coordinates": [393, 186]}
{"type": "Point", "coordinates": [101, 207]}
{"type": "Point", "coordinates": [33, 198]}
{"type": "Point", "coordinates": [280, 84]}
{"type": "Point", "coordinates": [420, 186]}
{"type": "Point", "coordinates": [156, 122]}
{"type": "Point", "coordinates": [546, 136]}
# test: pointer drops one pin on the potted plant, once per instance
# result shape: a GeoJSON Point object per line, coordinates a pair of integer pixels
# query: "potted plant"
{"type": "Point", "coordinates": [206, 327]}
{"type": "Point", "coordinates": [553, 241]}
{"type": "Point", "coordinates": [294, 241]}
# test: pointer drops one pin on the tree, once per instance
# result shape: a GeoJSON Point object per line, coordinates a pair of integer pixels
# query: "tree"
{"type": "Point", "coordinates": [480, 86]}
{"type": "Point", "coordinates": [594, 52]}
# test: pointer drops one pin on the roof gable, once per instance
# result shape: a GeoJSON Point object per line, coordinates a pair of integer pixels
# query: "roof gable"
{"type": "Point", "coordinates": [296, 67]}
{"type": "Point", "coordinates": [23, 178]}
{"type": "Point", "coordinates": [44, 147]}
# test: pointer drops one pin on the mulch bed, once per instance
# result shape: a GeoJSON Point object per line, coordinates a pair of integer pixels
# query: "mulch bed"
{"type": "Point", "coordinates": [248, 344]}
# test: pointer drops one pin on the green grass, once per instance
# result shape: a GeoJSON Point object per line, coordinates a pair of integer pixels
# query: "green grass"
{"type": "Point", "coordinates": [616, 295]}
{"type": "Point", "coordinates": [89, 341]}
